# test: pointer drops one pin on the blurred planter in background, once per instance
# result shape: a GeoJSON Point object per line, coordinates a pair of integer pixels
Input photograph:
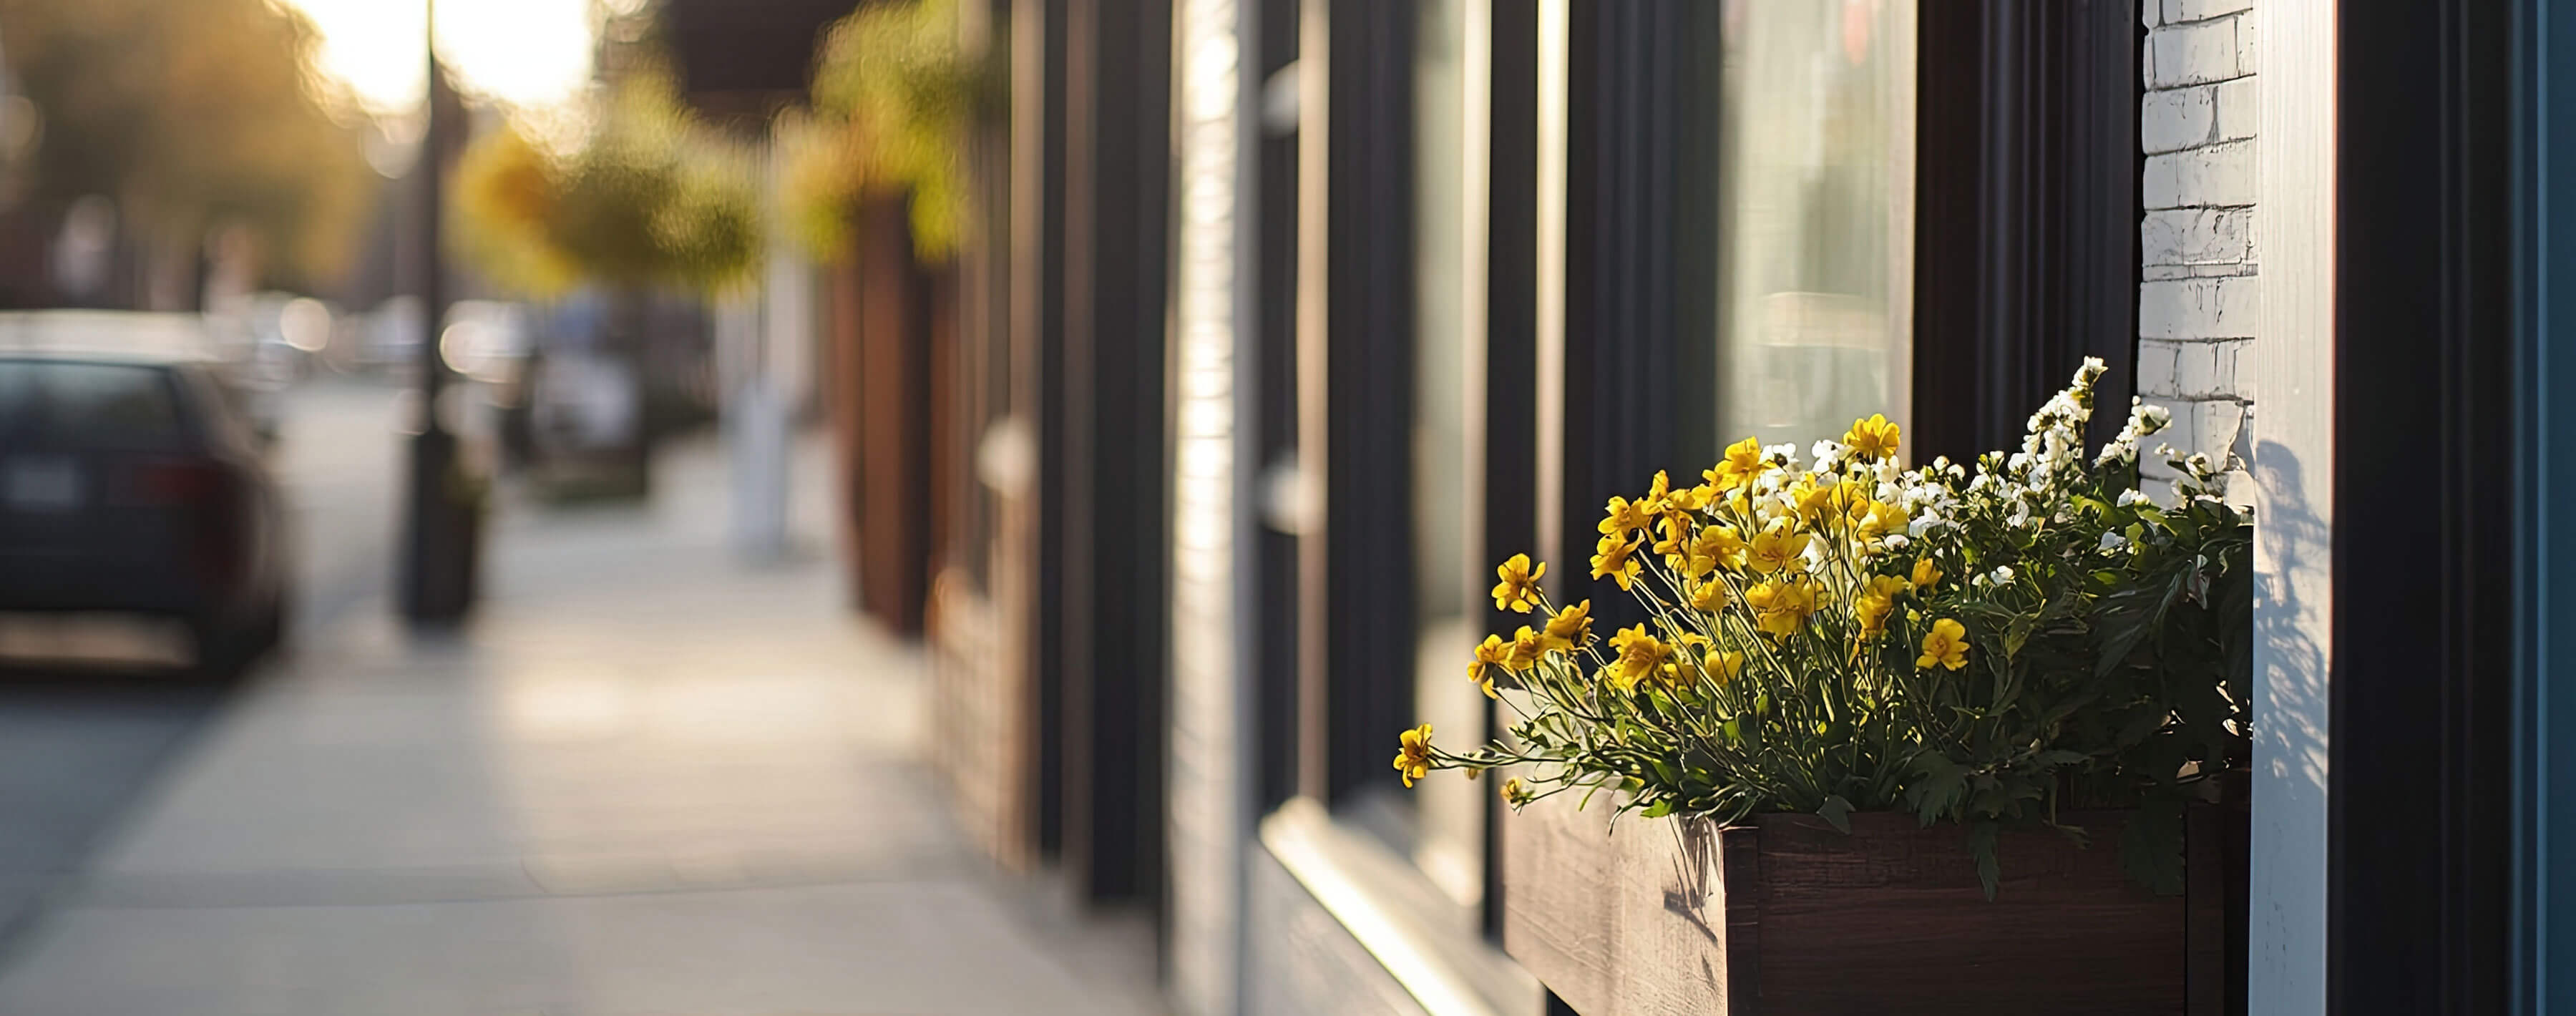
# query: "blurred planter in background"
{"type": "Point", "coordinates": [874, 187]}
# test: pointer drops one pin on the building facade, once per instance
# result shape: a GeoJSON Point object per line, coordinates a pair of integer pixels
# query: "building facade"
{"type": "Point", "coordinates": [1288, 317]}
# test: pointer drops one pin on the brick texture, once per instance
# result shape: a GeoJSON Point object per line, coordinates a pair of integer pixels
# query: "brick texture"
{"type": "Point", "coordinates": [2198, 252]}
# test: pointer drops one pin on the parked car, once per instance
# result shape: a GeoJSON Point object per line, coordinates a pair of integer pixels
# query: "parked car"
{"type": "Point", "coordinates": [138, 522]}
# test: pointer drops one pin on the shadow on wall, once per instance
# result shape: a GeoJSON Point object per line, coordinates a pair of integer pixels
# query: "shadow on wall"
{"type": "Point", "coordinates": [2291, 542]}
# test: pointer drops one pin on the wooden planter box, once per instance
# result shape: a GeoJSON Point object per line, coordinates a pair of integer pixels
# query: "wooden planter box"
{"type": "Point", "coordinates": [1788, 916]}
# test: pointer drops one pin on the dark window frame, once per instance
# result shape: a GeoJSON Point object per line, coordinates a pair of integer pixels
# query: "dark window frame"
{"type": "Point", "coordinates": [2418, 903]}
{"type": "Point", "coordinates": [1356, 576]}
{"type": "Point", "coordinates": [1113, 561]}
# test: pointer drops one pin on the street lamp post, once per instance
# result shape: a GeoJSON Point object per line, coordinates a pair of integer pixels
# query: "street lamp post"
{"type": "Point", "coordinates": [443, 514]}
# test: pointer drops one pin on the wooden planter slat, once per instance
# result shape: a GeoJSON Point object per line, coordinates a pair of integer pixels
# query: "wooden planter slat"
{"type": "Point", "coordinates": [1789, 916]}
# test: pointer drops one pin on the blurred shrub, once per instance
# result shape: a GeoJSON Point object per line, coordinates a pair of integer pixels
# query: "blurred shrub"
{"type": "Point", "coordinates": [895, 93]}
{"type": "Point", "coordinates": [650, 198]}
{"type": "Point", "coordinates": [192, 116]}
{"type": "Point", "coordinates": [505, 190]}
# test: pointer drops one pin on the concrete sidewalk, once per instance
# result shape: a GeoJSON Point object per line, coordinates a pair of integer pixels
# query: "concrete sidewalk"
{"type": "Point", "coordinates": [645, 780]}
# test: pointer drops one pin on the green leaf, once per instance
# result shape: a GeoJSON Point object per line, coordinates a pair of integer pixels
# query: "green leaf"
{"type": "Point", "coordinates": [1658, 809]}
{"type": "Point", "coordinates": [1838, 812]}
{"type": "Point", "coordinates": [1981, 842]}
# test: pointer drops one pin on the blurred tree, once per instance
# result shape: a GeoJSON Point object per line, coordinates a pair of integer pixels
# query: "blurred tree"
{"type": "Point", "coordinates": [193, 116]}
{"type": "Point", "coordinates": [894, 92]}
{"type": "Point", "coordinates": [650, 198]}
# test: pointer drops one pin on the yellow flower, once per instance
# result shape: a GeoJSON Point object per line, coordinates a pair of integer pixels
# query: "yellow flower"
{"type": "Point", "coordinates": [1713, 547]}
{"type": "Point", "coordinates": [1876, 601]}
{"type": "Point", "coordinates": [1688, 499]}
{"type": "Point", "coordinates": [1778, 546]}
{"type": "Point", "coordinates": [1414, 760]}
{"type": "Point", "coordinates": [1571, 627]}
{"type": "Point", "coordinates": [1818, 501]}
{"type": "Point", "coordinates": [1625, 518]}
{"type": "Point", "coordinates": [1707, 595]}
{"type": "Point", "coordinates": [1946, 646]}
{"type": "Point", "coordinates": [1518, 589]}
{"type": "Point", "coordinates": [1658, 494]}
{"type": "Point", "coordinates": [1742, 464]}
{"type": "Point", "coordinates": [1925, 573]}
{"type": "Point", "coordinates": [1722, 666]}
{"type": "Point", "coordinates": [1641, 655]}
{"type": "Point", "coordinates": [1677, 531]}
{"type": "Point", "coordinates": [1876, 520]}
{"type": "Point", "coordinates": [1779, 608]}
{"type": "Point", "coordinates": [1874, 437]}
{"type": "Point", "coordinates": [1616, 559]}
{"type": "Point", "coordinates": [1527, 646]}
{"type": "Point", "coordinates": [1493, 653]}
{"type": "Point", "coordinates": [1515, 792]}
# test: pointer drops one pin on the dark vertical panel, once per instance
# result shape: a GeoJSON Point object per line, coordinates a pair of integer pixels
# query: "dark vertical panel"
{"type": "Point", "coordinates": [1626, 117]}
{"type": "Point", "coordinates": [1046, 659]}
{"type": "Point", "coordinates": [1276, 263]}
{"type": "Point", "coordinates": [2418, 807]}
{"type": "Point", "coordinates": [2026, 214]}
{"type": "Point", "coordinates": [1368, 461]}
{"type": "Point", "coordinates": [1113, 592]}
{"type": "Point", "coordinates": [1068, 596]}
{"type": "Point", "coordinates": [1509, 500]}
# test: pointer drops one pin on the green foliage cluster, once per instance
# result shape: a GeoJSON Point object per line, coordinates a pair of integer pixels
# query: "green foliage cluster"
{"type": "Point", "coordinates": [192, 116]}
{"type": "Point", "coordinates": [650, 198]}
{"type": "Point", "coordinates": [895, 93]}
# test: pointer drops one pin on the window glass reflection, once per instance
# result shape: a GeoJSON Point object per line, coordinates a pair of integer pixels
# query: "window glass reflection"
{"type": "Point", "coordinates": [1816, 215]}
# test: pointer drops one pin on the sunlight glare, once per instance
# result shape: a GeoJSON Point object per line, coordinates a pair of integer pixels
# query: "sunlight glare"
{"type": "Point", "coordinates": [528, 53]}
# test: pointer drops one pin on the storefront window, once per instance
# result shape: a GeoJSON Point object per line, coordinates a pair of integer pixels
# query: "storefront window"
{"type": "Point", "coordinates": [1815, 218]}
{"type": "Point", "coordinates": [1449, 844]}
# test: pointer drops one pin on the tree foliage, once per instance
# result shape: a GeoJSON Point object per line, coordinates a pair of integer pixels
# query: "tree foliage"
{"type": "Point", "coordinates": [894, 94]}
{"type": "Point", "coordinates": [649, 198]}
{"type": "Point", "coordinates": [191, 115]}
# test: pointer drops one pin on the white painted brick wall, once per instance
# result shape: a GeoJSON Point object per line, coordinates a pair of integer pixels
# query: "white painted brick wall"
{"type": "Point", "coordinates": [2202, 10]}
{"type": "Point", "coordinates": [2192, 53]}
{"type": "Point", "coordinates": [2210, 308]}
{"type": "Point", "coordinates": [2195, 236]}
{"type": "Point", "coordinates": [2236, 108]}
{"type": "Point", "coordinates": [2220, 174]}
{"type": "Point", "coordinates": [2199, 256]}
{"type": "Point", "coordinates": [2180, 118]}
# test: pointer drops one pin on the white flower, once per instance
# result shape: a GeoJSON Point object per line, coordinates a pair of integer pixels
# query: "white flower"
{"type": "Point", "coordinates": [2003, 574]}
{"type": "Point", "coordinates": [2113, 541]}
{"type": "Point", "coordinates": [1897, 541]}
{"type": "Point", "coordinates": [2132, 496]}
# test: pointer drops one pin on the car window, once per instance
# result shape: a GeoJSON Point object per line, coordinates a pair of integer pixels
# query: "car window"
{"type": "Point", "coordinates": [89, 405]}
